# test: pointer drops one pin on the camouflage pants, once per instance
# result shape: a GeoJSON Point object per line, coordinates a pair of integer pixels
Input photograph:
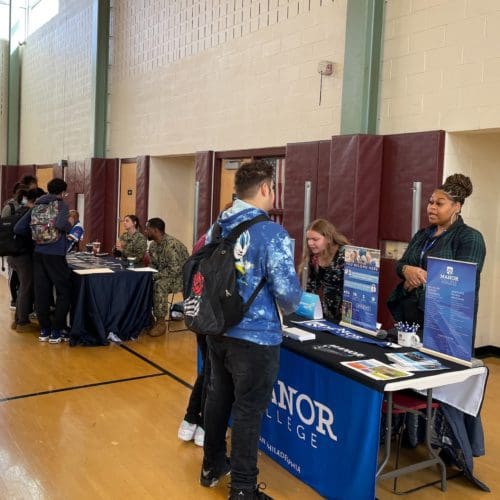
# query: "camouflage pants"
{"type": "Point", "coordinates": [160, 299]}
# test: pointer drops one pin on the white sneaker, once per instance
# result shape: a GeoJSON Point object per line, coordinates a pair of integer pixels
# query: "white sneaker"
{"type": "Point", "coordinates": [199, 436]}
{"type": "Point", "coordinates": [186, 431]}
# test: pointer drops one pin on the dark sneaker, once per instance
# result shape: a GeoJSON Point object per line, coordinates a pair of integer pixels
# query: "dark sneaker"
{"type": "Point", "coordinates": [210, 478]}
{"type": "Point", "coordinates": [44, 335]}
{"type": "Point", "coordinates": [55, 337]}
{"type": "Point", "coordinates": [255, 494]}
{"type": "Point", "coordinates": [12, 305]}
{"type": "Point", "coordinates": [26, 327]}
{"type": "Point", "coordinates": [65, 335]}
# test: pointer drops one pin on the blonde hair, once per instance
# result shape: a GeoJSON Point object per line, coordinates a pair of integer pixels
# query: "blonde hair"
{"type": "Point", "coordinates": [75, 214]}
{"type": "Point", "coordinates": [332, 236]}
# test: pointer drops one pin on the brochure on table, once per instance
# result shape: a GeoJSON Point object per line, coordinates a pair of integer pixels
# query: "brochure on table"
{"type": "Point", "coordinates": [310, 306]}
{"type": "Point", "coordinates": [449, 309]}
{"type": "Point", "coordinates": [360, 298]}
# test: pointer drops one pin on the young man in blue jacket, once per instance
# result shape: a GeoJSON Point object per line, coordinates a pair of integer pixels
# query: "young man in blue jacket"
{"type": "Point", "coordinates": [50, 266]}
{"type": "Point", "coordinates": [245, 360]}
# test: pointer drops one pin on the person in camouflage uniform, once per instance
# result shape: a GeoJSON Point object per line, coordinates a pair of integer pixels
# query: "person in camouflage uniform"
{"type": "Point", "coordinates": [132, 243]}
{"type": "Point", "coordinates": [167, 255]}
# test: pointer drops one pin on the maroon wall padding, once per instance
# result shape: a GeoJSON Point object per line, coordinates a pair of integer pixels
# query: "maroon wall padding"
{"type": "Point", "coordinates": [323, 179]}
{"type": "Point", "coordinates": [407, 158]}
{"type": "Point", "coordinates": [204, 176]}
{"type": "Point", "coordinates": [354, 187]}
{"type": "Point", "coordinates": [101, 193]}
{"type": "Point", "coordinates": [111, 203]}
{"type": "Point", "coordinates": [301, 165]}
{"type": "Point", "coordinates": [387, 282]}
{"type": "Point", "coordinates": [142, 189]}
{"type": "Point", "coordinates": [70, 178]}
{"type": "Point", "coordinates": [58, 171]}
{"type": "Point", "coordinates": [10, 175]}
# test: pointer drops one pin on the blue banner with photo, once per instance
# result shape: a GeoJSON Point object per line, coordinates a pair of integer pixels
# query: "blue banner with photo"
{"type": "Point", "coordinates": [324, 428]}
{"type": "Point", "coordinates": [450, 298]}
{"type": "Point", "coordinates": [360, 298]}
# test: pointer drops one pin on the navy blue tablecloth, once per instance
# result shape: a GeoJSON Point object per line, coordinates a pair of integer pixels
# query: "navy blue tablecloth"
{"type": "Point", "coordinates": [118, 302]}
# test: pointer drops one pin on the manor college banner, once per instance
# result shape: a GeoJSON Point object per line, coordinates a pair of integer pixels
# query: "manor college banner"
{"type": "Point", "coordinates": [324, 428]}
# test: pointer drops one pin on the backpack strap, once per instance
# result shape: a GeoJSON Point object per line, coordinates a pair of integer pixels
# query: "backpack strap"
{"type": "Point", "coordinates": [233, 236]}
{"type": "Point", "coordinates": [12, 208]}
{"type": "Point", "coordinates": [241, 228]}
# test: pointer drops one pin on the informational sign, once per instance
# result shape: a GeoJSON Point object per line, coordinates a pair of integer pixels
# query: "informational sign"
{"type": "Point", "coordinates": [361, 275]}
{"type": "Point", "coordinates": [450, 298]}
{"type": "Point", "coordinates": [324, 428]}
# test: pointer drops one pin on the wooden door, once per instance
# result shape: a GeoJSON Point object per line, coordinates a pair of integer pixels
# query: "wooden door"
{"type": "Point", "coordinates": [44, 174]}
{"type": "Point", "coordinates": [228, 171]}
{"type": "Point", "coordinates": [128, 192]}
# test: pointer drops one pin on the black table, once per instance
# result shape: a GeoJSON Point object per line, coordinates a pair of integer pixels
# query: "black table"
{"type": "Point", "coordinates": [119, 302]}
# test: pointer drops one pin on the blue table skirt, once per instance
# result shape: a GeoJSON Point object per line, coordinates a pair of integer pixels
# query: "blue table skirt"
{"type": "Point", "coordinates": [102, 303]}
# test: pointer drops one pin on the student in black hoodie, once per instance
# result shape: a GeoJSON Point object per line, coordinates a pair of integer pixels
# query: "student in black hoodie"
{"type": "Point", "coordinates": [49, 259]}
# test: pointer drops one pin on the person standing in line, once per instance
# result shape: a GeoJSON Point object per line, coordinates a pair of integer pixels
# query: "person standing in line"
{"type": "Point", "coordinates": [167, 256]}
{"type": "Point", "coordinates": [49, 222]}
{"type": "Point", "coordinates": [23, 265]}
{"type": "Point", "coordinates": [324, 258]}
{"type": "Point", "coordinates": [245, 360]}
{"type": "Point", "coordinates": [10, 207]}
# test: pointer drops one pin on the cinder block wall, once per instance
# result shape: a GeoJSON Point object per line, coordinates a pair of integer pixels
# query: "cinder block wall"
{"type": "Point", "coordinates": [56, 111]}
{"type": "Point", "coordinates": [188, 76]}
{"type": "Point", "coordinates": [4, 63]}
{"type": "Point", "coordinates": [441, 66]}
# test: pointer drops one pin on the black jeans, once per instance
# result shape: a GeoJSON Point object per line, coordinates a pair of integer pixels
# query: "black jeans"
{"type": "Point", "coordinates": [242, 378]}
{"type": "Point", "coordinates": [22, 265]}
{"type": "Point", "coordinates": [195, 410]}
{"type": "Point", "coordinates": [52, 271]}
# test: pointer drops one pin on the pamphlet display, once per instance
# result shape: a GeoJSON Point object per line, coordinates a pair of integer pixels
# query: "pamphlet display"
{"type": "Point", "coordinates": [361, 276]}
{"type": "Point", "coordinates": [415, 361]}
{"type": "Point", "coordinates": [449, 308]}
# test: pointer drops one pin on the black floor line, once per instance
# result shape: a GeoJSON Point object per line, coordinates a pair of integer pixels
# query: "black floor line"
{"type": "Point", "coordinates": [85, 386]}
{"type": "Point", "coordinates": [158, 367]}
{"type": "Point", "coordinates": [108, 382]}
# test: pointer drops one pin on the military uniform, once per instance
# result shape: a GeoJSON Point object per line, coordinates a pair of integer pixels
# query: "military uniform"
{"type": "Point", "coordinates": [134, 245]}
{"type": "Point", "coordinates": [168, 257]}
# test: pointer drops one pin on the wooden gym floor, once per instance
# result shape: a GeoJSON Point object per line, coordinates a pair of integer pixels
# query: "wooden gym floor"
{"type": "Point", "coordinates": [101, 423]}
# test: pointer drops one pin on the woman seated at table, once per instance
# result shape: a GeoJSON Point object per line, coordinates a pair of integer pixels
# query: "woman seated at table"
{"type": "Point", "coordinates": [132, 243]}
{"type": "Point", "coordinates": [447, 237]}
{"type": "Point", "coordinates": [324, 259]}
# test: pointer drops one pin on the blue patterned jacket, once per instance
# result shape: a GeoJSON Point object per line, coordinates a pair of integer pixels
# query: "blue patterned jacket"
{"type": "Point", "coordinates": [265, 249]}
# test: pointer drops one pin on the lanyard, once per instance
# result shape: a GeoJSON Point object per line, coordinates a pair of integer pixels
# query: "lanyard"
{"type": "Point", "coordinates": [429, 243]}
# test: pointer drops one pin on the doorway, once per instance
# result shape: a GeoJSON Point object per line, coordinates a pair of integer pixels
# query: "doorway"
{"type": "Point", "coordinates": [227, 173]}
{"type": "Point", "coordinates": [476, 155]}
{"type": "Point", "coordinates": [44, 174]}
{"type": "Point", "coordinates": [128, 192]}
{"type": "Point", "coordinates": [172, 193]}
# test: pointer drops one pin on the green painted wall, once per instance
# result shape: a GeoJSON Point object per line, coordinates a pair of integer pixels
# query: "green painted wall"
{"type": "Point", "coordinates": [362, 66]}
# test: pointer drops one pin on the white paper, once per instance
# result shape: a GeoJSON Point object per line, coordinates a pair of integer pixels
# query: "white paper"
{"type": "Point", "coordinates": [96, 270]}
{"type": "Point", "coordinates": [142, 269]}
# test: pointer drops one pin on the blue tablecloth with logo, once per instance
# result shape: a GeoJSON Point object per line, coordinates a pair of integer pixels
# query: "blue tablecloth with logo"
{"type": "Point", "coordinates": [323, 422]}
{"type": "Point", "coordinates": [324, 428]}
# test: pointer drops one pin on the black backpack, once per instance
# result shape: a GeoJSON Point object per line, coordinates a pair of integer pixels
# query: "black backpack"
{"type": "Point", "coordinates": [10, 243]}
{"type": "Point", "coordinates": [212, 303]}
